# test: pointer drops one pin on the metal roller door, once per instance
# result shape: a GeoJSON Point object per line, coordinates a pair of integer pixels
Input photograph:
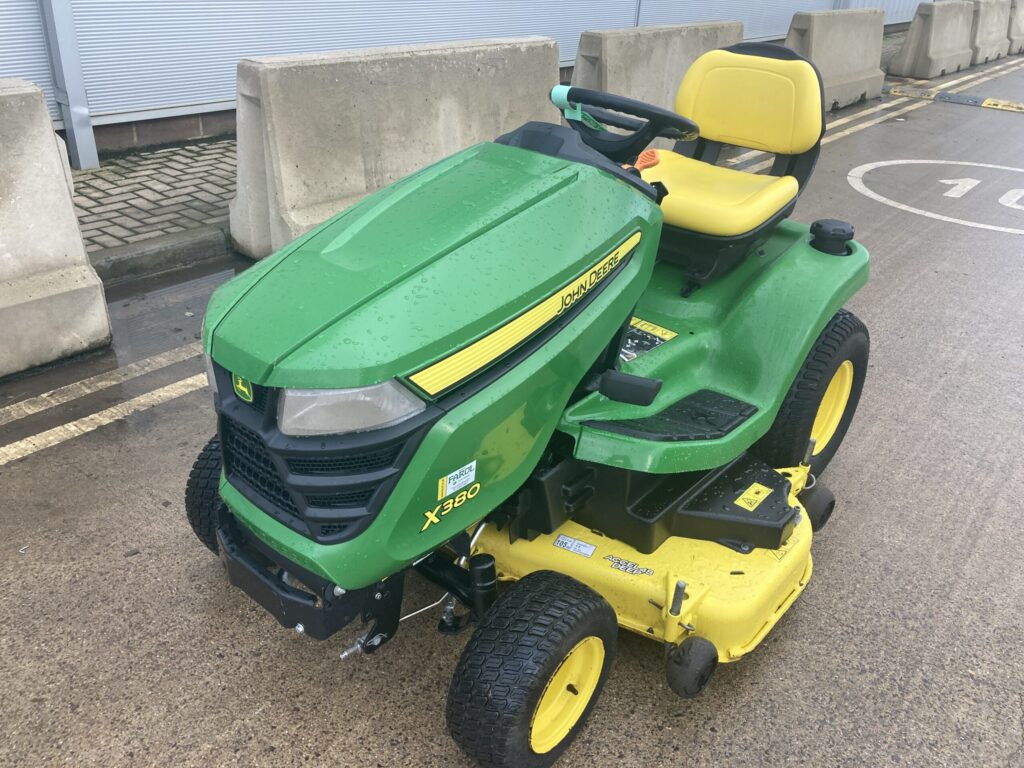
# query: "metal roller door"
{"type": "Point", "coordinates": [761, 20]}
{"type": "Point", "coordinates": [23, 46]}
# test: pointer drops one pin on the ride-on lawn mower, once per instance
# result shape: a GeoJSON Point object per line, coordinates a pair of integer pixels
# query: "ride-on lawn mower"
{"type": "Point", "coordinates": [577, 383]}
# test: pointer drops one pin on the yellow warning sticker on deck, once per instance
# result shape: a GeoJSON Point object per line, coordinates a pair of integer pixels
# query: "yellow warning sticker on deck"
{"type": "Point", "coordinates": [751, 498]}
{"type": "Point", "coordinates": [655, 330]}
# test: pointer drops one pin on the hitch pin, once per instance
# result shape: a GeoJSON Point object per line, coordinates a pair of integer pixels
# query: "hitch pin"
{"type": "Point", "coordinates": [811, 479]}
{"type": "Point", "coordinates": [808, 453]}
{"type": "Point", "coordinates": [352, 650]}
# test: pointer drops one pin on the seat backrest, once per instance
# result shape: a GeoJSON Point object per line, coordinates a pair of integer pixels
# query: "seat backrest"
{"type": "Point", "coordinates": [755, 95]}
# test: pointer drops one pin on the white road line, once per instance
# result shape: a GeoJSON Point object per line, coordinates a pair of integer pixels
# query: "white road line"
{"type": "Point", "coordinates": [86, 424]}
{"type": "Point", "coordinates": [1006, 69]}
{"type": "Point", "coordinates": [987, 73]}
{"type": "Point", "coordinates": [95, 383]}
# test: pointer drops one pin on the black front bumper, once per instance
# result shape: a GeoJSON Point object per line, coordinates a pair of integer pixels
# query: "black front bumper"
{"type": "Point", "coordinates": [257, 570]}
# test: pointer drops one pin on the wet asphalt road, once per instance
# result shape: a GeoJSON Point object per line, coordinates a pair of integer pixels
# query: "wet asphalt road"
{"type": "Point", "coordinates": [122, 644]}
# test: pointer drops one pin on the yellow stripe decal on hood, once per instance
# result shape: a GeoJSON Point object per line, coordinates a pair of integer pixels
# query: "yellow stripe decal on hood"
{"type": "Point", "coordinates": [481, 353]}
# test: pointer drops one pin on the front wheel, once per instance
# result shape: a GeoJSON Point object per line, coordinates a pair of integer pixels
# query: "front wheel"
{"type": "Point", "coordinates": [531, 673]}
{"type": "Point", "coordinates": [823, 398]}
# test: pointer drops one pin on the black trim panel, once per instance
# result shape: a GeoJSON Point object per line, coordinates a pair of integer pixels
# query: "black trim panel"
{"type": "Point", "coordinates": [704, 415]}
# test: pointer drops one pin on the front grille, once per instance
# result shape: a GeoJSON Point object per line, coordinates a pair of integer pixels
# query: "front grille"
{"type": "Point", "coordinates": [328, 487]}
{"type": "Point", "coordinates": [246, 458]}
{"type": "Point", "coordinates": [370, 461]}
{"type": "Point", "coordinates": [260, 396]}
{"type": "Point", "coordinates": [346, 500]}
{"type": "Point", "coordinates": [334, 529]}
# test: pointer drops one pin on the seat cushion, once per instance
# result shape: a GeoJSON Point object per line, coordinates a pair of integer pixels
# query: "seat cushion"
{"type": "Point", "coordinates": [716, 201]}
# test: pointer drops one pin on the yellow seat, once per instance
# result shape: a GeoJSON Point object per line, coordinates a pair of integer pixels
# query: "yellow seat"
{"type": "Point", "coordinates": [714, 200]}
{"type": "Point", "coordinates": [752, 95]}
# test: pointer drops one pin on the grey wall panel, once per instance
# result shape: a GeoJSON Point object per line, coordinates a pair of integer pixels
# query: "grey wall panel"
{"type": "Point", "coordinates": [896, 11]}
{"type": "Point", "coordinates": [155, 54]}
{"type": "Point", "coordinates": [761, 20]}
{"type": "Point", "coordinates": [23, 46]}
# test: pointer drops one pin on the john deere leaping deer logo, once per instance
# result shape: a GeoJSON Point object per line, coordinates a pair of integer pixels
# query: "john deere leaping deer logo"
{"type": "Point", "coordinates": [243, 388]}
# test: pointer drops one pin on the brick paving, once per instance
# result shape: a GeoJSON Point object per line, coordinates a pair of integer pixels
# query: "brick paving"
{"type": "Point", "coordinates": [149, 194]}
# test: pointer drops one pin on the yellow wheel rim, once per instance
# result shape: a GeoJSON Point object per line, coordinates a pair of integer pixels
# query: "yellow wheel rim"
{"type": "Point", "coordinates": [832, 406]}
{"type": "Point", "coordinates": [567, 695]}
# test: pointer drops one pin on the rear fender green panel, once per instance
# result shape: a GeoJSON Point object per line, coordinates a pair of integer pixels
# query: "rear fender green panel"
{"type": "Point", "coordinates": [745, 335]}
{"type": "Point", "coordinates": [504, 428]}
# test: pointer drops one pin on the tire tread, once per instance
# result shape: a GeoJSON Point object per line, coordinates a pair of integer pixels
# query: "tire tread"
{"type": "Point", "coordinates": [785, 442]}
{"type": "Point", "coordinates": [202, 494]}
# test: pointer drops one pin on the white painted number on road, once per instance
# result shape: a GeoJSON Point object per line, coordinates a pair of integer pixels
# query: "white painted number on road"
{"type": "Point", "coordinates": [960, 186]}
{"type": "Point", "coordinates": [1012, 199]}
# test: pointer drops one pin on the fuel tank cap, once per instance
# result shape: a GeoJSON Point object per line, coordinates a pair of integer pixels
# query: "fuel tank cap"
{"type": "Point", "coordinates": [831, 236]}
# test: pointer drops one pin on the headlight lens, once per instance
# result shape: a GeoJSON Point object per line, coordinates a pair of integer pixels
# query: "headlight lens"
{"type": "Point", "coordinates": [337, 411]}
{"type": "Point", "coordinates": [211, 378]}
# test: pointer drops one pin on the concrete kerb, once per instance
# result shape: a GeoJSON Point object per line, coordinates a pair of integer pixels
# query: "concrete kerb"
{"type": "Point", "coordinates": [938, 42]}
{"type": "Point", "coordinates": [989, 30]}
{"type": "Point", "coordinates": [51, 301]}
{"type": "Point", "coordinates": [318, 132]}
{"type": "Point", "coordinates": [846, 46]}
{"type": "Point", "coordinates": [647, 63]}
{"type": "Point", "coordinates": [1016, 28]}
{"type": "Point", "coordinates": [179, 249]}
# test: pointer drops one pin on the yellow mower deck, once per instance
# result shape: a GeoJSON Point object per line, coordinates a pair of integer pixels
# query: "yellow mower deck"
{"type": "Point", "coordinates": [731, 599]}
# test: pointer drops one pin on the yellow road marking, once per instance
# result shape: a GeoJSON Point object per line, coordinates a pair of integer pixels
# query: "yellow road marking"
{"type": "Point", "coordinates": [95, 383]}
{"type": "Point", "coordinates": [86, 424]}
{"type": "Point", "coordinates": [1009, 106]}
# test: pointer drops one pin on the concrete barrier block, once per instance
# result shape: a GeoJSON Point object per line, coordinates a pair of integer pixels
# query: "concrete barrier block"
{"type": "Point", "coordinates": [938, 42]}
{"type": "Point", "coordinates": [51, 301]}
{"type": "Point", "coordinates": [647, 63]}
{"type": "Point", "coordinates": [846, 46]}
{"type": "Point", "coordinates": [1016, 33]}
{"type": "Point", "coordinates": [989, 30]}
{"type": "Point", "coordinates": [318, 132]}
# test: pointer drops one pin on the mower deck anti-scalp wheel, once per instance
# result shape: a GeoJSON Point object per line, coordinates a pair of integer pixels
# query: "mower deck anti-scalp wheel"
{"type": "Point", "coordinates": [531, 673]}
{"type": "Point", "coordinates": [822, 399]}
{"type": "Point", "coordinates": [819, 502]}
{"type": "Point", "coordinates": [690, 665]}
{"type": "Point", "coordinates": [203, 504]}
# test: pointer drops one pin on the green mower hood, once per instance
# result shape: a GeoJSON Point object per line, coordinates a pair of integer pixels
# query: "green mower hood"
{"type": "Point", "coordinates": [421, 269]}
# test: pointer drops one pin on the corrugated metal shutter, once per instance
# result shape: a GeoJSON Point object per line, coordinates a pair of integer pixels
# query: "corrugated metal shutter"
{"type": "Point", "coordinates": [159, 54]}
{"type": "Point", "coordinates": [23, 46]}
{"type": "Point", "coordinates": [761, 20]}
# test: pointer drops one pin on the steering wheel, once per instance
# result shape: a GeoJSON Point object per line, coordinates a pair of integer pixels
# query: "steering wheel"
{"type": "Point", "coordinates": [644, 121]}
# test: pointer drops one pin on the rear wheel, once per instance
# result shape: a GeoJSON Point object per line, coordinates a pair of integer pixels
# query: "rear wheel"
{"type": "Point", "coordinates": [823, 398]}
{"type": "Point", "coordinates": [531, 673]}
{"type": "Point", "coordinates": [203, 504]}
